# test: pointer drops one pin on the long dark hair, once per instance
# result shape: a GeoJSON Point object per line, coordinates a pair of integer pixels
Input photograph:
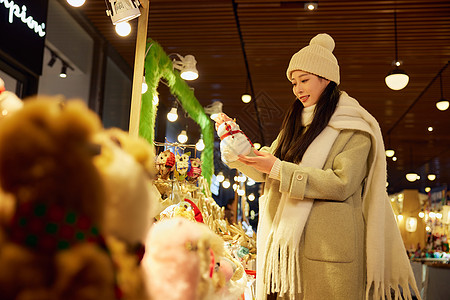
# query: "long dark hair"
{"type": "Point", "coordinates": [293, 141]}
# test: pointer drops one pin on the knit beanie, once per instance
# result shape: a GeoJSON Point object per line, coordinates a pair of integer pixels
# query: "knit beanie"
{"type": "Point", "coordinates": [316, 58]}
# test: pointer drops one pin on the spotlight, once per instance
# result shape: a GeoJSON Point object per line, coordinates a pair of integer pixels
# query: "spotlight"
{"type": "Point", "coordinates": [123, 28]}
{"type": "Point", "coordinates": [52, 60]}
{"type": "Point", "coordinates": [63, 73]}
{"type": "Point", "coordinates": [187, 67]}
{"type": "Point", "coordinates": [123, 10]}
{"type": "Point", "coordinates": [76, 3]}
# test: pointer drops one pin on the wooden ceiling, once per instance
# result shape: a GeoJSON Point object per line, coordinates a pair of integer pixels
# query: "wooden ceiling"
{"type": "Point", "coordinates": [227, 36]}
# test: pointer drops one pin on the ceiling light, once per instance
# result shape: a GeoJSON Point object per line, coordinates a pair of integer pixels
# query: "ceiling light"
{"type": "Point", "coordinates": [311, 6]}
{"type": "Point", "coordinates": [63, 73]}
{"type": "Point", "coordinates": [123, 10]}
{"type": "Point", "coordinates": [182, 137]}
{"type": "Point", "coordinates": [214, 109]}
{"type": "Point", "coordinates": [220, 177]}
{"type": "Point", "coordinates": [76, 3]}
{"type": "Point", "coordinates": [257, 146]}
{"type": "Point", "coordinates": [251, 197]}
{"type": "Point", "coordinates": [394, 158]}
{"type": "Point", "coordinates": [390, 152]}
{"type": "Point", "coordinates": [411, 176]}
{"type": "Point", "coordinates": [123, 28]}
{"type": "Point", "coordinates": [443, 103]}
{"type": "Point", "coordinates": [430, 129]}
{"type": "Point", "coordinates": [200, 146]}
{"type": "Point", "coordinates": [246, 98]}
{"type": "Point", "coordinates": [144, 86]}
{"type": "Point", "coordinates": [397, 79]}
{"type": "Point", "coordinates": [431, 177]}
{"type": "Point", "coordinates": [187, 67]}
{"type": "Point", "coordinates": [226, 183]}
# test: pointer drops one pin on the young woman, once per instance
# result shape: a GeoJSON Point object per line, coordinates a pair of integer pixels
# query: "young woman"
{"type": "Point", "coordinates": [326, 227]}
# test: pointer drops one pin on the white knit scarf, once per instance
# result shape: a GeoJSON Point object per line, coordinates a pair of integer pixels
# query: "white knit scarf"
{"type": "Point", "coordinates": [387, 264]}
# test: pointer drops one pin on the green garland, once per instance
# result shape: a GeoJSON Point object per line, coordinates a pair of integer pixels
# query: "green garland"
{"type": "Point", "coordinates": [158, 65]}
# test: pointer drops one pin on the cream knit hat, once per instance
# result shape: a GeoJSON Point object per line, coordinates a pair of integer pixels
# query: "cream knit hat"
{"type": "Point", "coordinates": [316, 58]}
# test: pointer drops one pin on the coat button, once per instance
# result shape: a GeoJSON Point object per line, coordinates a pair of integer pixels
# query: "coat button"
{"type": "Point", "coordinates": [299, 177]}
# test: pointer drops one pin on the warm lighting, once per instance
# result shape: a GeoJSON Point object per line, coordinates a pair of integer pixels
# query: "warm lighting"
{"type": "Point", "coordinates": [411, 176]}
{"type": "Point", "coordinates": [430, 129]}
{"type": "Point", "coordinates": [428, 228]}
{"type": "Point", "coordinates": [257, 146]}
{"type": "Point", "coordinates": [397, 79]}
{"type": "Point", "coordinates": [187, 67]}
{"type": "Point", "coordinates": [311, 6]}
{"type": "Point", "coordinates": [63, 73]}
{"type": "Point", "coordinates": [431, 177]}
{"type": "Point", "coordinates": [390, 152]}
{"type": "Point", "coordinates": [123, 28]}
{"type": "Point", "coordinates": [411, 224]}
{"type": "Point", "coordinates": [200, 146]}
{"type": "Point", "coordinates": [235, 186]}
{"type": "Point", "coordinates": [226, 184]}
{"type": "Point", "coordinates": [220, 177]}
{"type": "Point", "coordinates": [446, 214]}
{"type": "Point", "coordinates": [155, 100]}
{"type": "Point", "coordinates": [182, 137]}
{"type": "Point", "coordinates": [427, 189]}
{"type": "Point", "coordinates": [251, 197]}
{"type": "Point", "coordinates": [400, 218]}
{"type": "Point", "coordinates": [172, 116]}
{"type": "Point", "coordinates": [438, 216]}
{"type": "Point", "coordinates": [76, 3]}
{"type": "Point", "coordinates": [442, 104]}
{"type": "Point", "coordinates": [250, 182]}
{"type": "Point", "coordinates": [432, 214]}
{"type": "Point", "coordinates": [144, 86]}
{"type": "Point", "coordinates": [421, 214]}
{"type": "Point", "coordinates": [123, 10]}
{"type": "Point", "coordinates": [241, 192]}
{"type": "Point", "coordinates": [246, 98]}
{"type": "Point", "coordinates": [394, 158]}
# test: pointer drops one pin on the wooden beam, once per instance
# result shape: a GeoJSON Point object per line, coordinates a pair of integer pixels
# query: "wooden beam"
{"type": "Point", "coordinates": [136, 94]}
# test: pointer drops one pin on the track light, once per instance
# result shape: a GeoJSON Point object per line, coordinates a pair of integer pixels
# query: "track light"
{"type": "Point", "coordinates": [63, 73]}
{"type": "Point", "coordinates": [187, 67]}
{"type": "Point", "coordinates": [52, 60]}
{"type": "Point", "coordinates": [123, 10]}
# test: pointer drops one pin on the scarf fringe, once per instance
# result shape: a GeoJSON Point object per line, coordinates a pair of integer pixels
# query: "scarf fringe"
{"type": "Point", "coordinates": [383, 291]}
{"type": "Point", "coordinates": [280, 273]}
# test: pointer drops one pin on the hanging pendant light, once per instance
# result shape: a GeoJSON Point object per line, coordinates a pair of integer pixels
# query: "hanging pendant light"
{"type": "Point", "coordinates": [389, 151]}
{"type": "Point", "coordinates": [411, 176]}
{"type": "Point", "coordinates": [396, 79]}
{"type": "Point", "coordinates": [443, 103]}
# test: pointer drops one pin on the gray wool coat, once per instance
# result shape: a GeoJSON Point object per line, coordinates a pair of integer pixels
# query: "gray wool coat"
{"type": "Point", "coordinates": [332, 249]}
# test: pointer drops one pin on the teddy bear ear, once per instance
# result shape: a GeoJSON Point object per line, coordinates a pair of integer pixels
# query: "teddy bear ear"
{"type": "Point", "coordinates": [187, 153]}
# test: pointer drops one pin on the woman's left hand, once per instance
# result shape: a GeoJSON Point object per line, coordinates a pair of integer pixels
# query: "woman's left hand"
{"type": "Point", "coordinates": [263, 161]}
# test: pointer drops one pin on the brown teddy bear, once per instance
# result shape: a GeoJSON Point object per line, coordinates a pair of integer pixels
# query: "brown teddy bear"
{"type": "Point", "coordinates": [52, 247]}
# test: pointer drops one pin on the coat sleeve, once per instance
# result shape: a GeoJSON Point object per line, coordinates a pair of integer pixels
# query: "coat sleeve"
{"type": "Point", "coordinates": [340, 181]}
{"type": "Point", "coordinates": [251, 172]}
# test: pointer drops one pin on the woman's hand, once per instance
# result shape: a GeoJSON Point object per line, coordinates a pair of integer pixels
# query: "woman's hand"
{"type": "Point", "coordinates": [263, 161]}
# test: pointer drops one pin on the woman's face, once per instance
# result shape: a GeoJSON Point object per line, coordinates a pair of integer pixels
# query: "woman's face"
{"type": "Point", "coordinates": [307, 87]}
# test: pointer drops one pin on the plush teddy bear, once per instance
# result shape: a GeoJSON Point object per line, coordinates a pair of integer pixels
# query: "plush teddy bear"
{"type": "Point", "coordinates": [195, 171]}
{"type": "Point", "coordinates": [233, 140]}
{"type": "Point", "coordinates": [53, 247]}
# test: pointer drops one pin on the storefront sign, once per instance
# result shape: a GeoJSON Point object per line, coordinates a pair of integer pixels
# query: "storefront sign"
{"type": "Point", "coordinates": [23, 31]}
{"type": "Point", "coordinates": [21, 14]}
